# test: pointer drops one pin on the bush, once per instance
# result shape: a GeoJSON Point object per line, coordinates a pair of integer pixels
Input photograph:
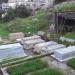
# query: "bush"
{"type": "Point", "coordinates": [9, 16]}
{"type": "Point", "coordinates": [71, 63]}
{"type": "Point", "coordinates": [22, 12]}
{"type": "Point", "coordinates": [27, 67]}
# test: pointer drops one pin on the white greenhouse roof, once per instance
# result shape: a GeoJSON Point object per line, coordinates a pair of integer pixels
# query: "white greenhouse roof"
{"type": "Point", "coordinates": [66, 50]}
{"type": "Point", "coordinates": [10, 46]}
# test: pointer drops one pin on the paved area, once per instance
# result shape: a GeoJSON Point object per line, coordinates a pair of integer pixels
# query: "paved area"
{"type": "Point", "coordinates": [60, 66]}
{"type": "Point", "coordinates": [4, 71]}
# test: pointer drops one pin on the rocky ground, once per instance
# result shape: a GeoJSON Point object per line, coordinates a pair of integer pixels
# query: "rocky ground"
{"type": "Point", "coordinates": [60, 66]}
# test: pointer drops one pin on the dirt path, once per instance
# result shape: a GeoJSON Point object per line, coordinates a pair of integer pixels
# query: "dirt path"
{"type": "Point", "coordinates": [60, 66]}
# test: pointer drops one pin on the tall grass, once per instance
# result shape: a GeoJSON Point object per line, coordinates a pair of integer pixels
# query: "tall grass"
{"type": "Point", "coordinates": [71, 63]}
{"type": "Point", "coordinates": [27, 67]}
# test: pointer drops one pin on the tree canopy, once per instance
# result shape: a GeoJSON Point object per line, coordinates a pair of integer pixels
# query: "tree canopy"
{"type": "Point", "coordinates": [65, 7]}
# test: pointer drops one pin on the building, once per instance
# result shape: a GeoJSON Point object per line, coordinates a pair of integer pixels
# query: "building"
{"type": "Point", "coordinates": [11, 51]}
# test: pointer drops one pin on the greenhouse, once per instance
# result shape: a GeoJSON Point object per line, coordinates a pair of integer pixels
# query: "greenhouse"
{"type": "Point", "coordinates": [51, 49]}
{"type": "Point", "coordinates": [38, 47]}
{"type": "Point", "coordinates": [64, 54]}
{"type": "Point", "coordinates": [11, 51]}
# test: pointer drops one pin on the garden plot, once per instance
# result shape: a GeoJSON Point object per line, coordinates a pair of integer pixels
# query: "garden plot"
{"type": "Point", "coordinates": [38, 47]}
{"type": "Point", "coordinates": [64, 54]}
{"type": "Point", "coordinates": [52, 48]}
{"type": "Point", "coordinates": [11, 51]}
{"type": "Point", "coordinates": [31, 43]}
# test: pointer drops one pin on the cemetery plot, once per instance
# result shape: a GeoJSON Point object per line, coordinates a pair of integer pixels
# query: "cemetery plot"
{"type": "Point", "coordinates": [38, 47]}
{"type": "Point", "coordinates": [64, 54]}
{"type": "Point", "coordinates": [11, 51]}
{"type": "Point", "coordinates": [51, 49]}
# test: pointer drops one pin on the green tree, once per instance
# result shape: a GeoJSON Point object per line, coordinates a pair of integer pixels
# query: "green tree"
{"type": "Point", "coordinates": [22, 11]}
{"type": "Point", "coordinates": [10, 15]}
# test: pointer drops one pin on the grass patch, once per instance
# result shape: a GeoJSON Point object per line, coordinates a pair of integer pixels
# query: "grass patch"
{"type": "Point", "coordinates": [48, 72]}
{"type": "Point", "coordinates": [65, 7]}
{"type": "Point", "coordinates": [71, 63]}
{"type": "Point", "coordinates": [70, 35]}
{"type": "Point", "coordinates": [31, 24]}
{"type": "Point", "coordinates": [27, 67]}
{"type": "Point", "coordinates": [3, 31]}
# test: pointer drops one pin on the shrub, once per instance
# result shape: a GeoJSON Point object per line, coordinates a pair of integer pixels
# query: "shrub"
{"type": "Point", "coordinates": [22, 12]}
{"type": "Point", "coordinates": [9, 16]}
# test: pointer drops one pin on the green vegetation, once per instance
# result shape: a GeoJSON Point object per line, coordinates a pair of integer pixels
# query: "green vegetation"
{"type": "Point", "coordinates": [30, 66]}
{"type": "Point", "coordinates": [3, 30]}
{"type": "Point", "coordinates": [31, 24]}
{"type": "Point", "coordinates": [64, 7]}
{"type": "Point", "coordinates": [70, 35]}
{"type": "Point", "coordinates": [48, 72]}
{"type": "Point", "coordinates": [71, 63]}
